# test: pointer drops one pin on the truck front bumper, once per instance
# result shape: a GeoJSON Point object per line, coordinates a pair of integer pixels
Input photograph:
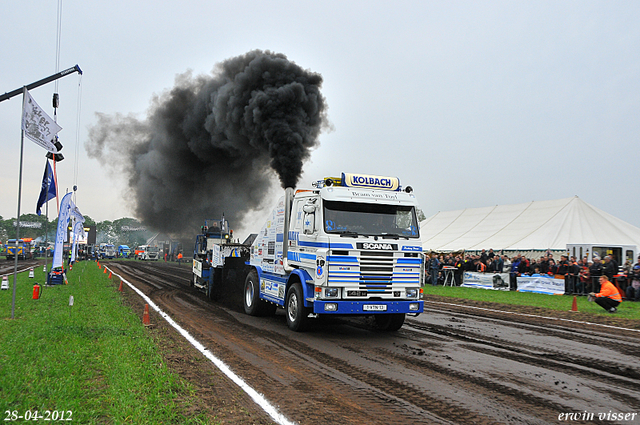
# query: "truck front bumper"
{"type": "Point", "coordinates": [367, 307]}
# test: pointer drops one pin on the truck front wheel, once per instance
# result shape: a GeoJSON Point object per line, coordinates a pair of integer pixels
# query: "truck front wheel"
{"type": "Point", "coordinates": [389, 322]}
{"type": "Point", "coordinates": [296, 313]}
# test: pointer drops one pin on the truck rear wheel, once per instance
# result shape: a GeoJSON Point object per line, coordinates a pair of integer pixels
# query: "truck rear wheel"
{"type": "Point", "coordinates": [389, 322]}
{"type": "Point", "coordinates": [214, 284]}
{"type": "Point", "coordinates": [253, 305]}
{"type": "Point", "coordinates": [295, 311]}
{"type": "Point", "coordinates": [213, 291]}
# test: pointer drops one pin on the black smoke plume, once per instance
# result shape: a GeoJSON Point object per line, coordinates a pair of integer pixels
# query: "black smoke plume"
{"type": "Point", "coordinates": [213, 144]}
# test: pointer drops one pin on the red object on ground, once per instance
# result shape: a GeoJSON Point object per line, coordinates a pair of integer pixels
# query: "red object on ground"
{"type": "Point", "coordinates": [36, 291]}
{"type": "Point", "coordinates": [145, 315]}
{"type": "Point", "coordinates": [574, 307]}
{"type": "Point", "coordinates": [120, 287]}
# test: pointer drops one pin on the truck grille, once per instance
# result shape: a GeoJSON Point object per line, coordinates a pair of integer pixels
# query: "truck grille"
{"type": "Point", "coordinates": [374, 273]}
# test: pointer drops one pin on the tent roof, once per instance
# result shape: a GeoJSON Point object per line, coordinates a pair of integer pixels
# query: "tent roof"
{"type": "Point", "coordinates": [533, 225]}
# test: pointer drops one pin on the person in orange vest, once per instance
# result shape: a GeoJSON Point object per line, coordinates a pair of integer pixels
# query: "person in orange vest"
{"type": "Point", "coordinates": [609, 297]}
{"type": "Point", "coordinates": [180, 258]}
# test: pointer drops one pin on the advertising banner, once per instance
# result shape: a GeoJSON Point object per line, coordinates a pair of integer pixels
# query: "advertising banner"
{"type": "Point", "coordinates": [498, 281]}
{"type": "Point", "coordinates": [541, 285]}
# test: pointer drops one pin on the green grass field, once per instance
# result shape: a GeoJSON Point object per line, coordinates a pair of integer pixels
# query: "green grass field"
{"type": "Point", "coordinates": [627, 310]}
{"type": "Point", "coordinates": [94, 360]}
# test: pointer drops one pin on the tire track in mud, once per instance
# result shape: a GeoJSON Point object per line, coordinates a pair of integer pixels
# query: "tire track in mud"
{"type": "Point", "coordinates": [343, 372]}
{"type": "Point", "coordinates": [373, 384]}
{"type": "Point", "coordinates": [574, 370]}
{"type": "Point", "coordinates": [608, 372]}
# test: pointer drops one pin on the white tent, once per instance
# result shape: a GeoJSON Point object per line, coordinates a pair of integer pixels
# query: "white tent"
{"type": "Point", "coordinates": [532, 226]}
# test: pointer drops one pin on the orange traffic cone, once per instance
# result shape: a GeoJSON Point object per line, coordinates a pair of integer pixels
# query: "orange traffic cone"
{"type": "Point", "coordinates": [109, 275]}
{"type": "Point", "coordinates": [99, 266]}
{"type": "Point", "coordinates": [105, 270]}
{"type": "Point", "coordinates": [145, 315]}
{"type": "Point", "coordinates": [574, 307]}
{"type": "Point", "coordinates": [120, 287]}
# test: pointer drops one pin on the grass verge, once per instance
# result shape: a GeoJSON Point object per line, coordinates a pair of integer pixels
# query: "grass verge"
{"type": "Point", "coordinates": [94, 359]}
{"type": "Point", "coordinates": [627, 310]}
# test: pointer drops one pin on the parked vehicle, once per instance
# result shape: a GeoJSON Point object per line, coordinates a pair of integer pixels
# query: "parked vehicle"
{"type": "Point", "coordinates": [107, 250]}
{"type": "Point", "coordinates": [148, 253]}
{"type": "Point", "coordinates": [22, 249]}
{"type": "Point", "coordinates": [620, 253]}
{"type": "Point", "coordinates": [124, 251]}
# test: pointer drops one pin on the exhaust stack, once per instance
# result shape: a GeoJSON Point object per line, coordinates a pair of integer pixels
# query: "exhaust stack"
{"type": "Point", "coordinates": [288, 201]}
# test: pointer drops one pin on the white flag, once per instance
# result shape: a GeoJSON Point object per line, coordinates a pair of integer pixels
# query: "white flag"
{"type": "Point", "coordinates": [37, 125]}
{"type": "Point", "coordinates": [78, 235]}
{"type": "Point", "coordinates": [66, 205]}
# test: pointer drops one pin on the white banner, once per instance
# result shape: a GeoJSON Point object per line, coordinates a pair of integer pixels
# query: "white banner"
{"type": "Point", "coordinates": [67, 209]}
{"type": "Point", "coordinates": [541, 285]}
{"type": "Point", "coordinates": [61, 233]}
{"type": "Point", "coordinates": [78, 235]}
{"type": "Point", "coordinates": [499, 281]}
{"type": "Point", "coordinates": [28, 224]}
{"type": "Point", "coordinates": [37, 125]}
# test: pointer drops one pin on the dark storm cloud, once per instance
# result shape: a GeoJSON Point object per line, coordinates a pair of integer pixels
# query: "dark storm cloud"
{"type": "Point", "coordinates": [213, 143]}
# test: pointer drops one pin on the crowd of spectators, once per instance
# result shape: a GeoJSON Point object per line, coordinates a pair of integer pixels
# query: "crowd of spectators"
{"type": "Point", "coordinates": [580, 275]}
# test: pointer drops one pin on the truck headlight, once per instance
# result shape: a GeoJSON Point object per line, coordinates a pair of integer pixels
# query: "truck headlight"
{"type": "Point", "coordinates": [414, 306]}
{"type": "Point", "coordinates": [331, 307]}
{"type": "Point", "coordinates": [412, 293]}
{"type": "Point", "coordinates": [331, 292]}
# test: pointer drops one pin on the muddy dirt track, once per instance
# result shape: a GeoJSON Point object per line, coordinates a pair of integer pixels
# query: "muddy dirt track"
{"type": "Point", "coordinates": [451, 365]}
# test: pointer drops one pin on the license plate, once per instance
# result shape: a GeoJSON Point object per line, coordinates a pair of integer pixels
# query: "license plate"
{"type": "Point", "coordinates": [374, 307]}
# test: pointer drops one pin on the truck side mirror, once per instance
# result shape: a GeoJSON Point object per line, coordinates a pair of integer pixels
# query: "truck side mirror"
{"type": "Point", "coordinates": [309, 225]}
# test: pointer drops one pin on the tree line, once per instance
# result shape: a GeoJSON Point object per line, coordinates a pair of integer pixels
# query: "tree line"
{"type": "Point", "coordinates": [124, 231]}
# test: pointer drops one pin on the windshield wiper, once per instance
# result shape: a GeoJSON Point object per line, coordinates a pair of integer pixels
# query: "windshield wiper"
{"type": "Point", "coordinates": [348, 234]}
{"type": "Point", "coordinates": [393, 236]}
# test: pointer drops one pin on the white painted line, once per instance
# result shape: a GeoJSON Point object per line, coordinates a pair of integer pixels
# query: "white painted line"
{"type": "Point", "coordinates": [533, 315]}
{"type": "Point", "coordinates": [256, 396]}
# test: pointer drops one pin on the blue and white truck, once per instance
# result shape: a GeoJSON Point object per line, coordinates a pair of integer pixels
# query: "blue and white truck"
{"type": "Point", "coordinates": [107, 250]}
{"type": "Point", "coordinates": [347, 246]}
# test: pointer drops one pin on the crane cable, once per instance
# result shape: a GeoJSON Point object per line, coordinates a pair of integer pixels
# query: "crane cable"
{"type": "Point", "coordinates": [77, 147]}
{"type": "Point", "coordinates": [56, 103]}
{"type": "Point", "coordinates": [55, 95]}
{"type": "Point", "coordinates": [58, 37]}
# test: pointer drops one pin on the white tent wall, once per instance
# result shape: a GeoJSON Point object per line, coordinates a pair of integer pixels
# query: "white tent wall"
{"type": "Point", "coordinates": [534, 226]}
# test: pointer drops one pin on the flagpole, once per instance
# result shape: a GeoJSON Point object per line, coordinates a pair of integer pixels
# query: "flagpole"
{"type": "Point", "coordinates": [15, 266]}
{"type": "Point", "coordinates": [55, 179]}
{"type": "Point", "coordinates": [46, 225]}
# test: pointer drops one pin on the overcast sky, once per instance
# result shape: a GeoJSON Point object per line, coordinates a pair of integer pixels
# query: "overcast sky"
{"type": "Point", "coordinates": [472, 103]}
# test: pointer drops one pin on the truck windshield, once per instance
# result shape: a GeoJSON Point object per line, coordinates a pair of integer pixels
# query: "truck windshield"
{"type": "Point", "coordinates": [153, 249]}
{"type": "Point", "coordinates": [370, 219]}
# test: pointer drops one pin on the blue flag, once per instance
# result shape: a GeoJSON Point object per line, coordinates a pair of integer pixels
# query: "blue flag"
{"type": "Point", "coordinates": [48, 188]}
